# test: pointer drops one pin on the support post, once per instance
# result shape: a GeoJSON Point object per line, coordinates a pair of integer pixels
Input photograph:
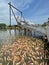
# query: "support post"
{"type": "Point", "coordinates": [24, 31]}
{"type": "Point", "coordinates": [10, 17]}
{"type": "Point", "coordinates": [34, 33]}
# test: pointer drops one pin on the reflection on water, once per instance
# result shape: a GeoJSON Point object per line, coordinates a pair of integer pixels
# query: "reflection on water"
{"type": "Point", "coordinates": [8, 35]}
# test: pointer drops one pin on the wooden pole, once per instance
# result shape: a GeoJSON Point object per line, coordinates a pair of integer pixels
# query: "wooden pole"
{"type": "Point", "coordinates": [24, 31]}
{"type": "Point", "coordinates": [10, 17]}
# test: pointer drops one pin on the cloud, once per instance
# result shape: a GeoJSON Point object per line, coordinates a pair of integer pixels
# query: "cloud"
{"type": "Point", "coordinates": [39, 10]}
{"type": "Point", "coordinates": [4, 8]}
{"type": "Point", "coordinates": [4, 11]}
{"type": "Point", "coordinates": [23, 4]}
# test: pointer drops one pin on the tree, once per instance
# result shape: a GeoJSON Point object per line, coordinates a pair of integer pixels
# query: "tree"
{"type": "Point", "coordinates": [2, 26]}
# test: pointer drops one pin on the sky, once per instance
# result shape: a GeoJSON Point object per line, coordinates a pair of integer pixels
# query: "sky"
{"type": "Point", "coordinates": [34, 11]}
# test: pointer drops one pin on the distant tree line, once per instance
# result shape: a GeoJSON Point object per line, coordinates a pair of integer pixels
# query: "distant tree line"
{"type": "Point", "coordinates": [44, 24]}
{"type": "Point", "coordinates": [2, 26]}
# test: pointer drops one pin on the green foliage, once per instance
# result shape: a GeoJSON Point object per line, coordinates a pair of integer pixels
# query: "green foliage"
{"type": "Point", "coordinates": [2, 26]}
{"type": "Point", "coordinates": [48, 22]}
{"type": "Point", "coordinates": [43, 25]}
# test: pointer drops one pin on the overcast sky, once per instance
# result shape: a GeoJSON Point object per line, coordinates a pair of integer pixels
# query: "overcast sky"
{"type": "Point", "coordinates": [35, 11]}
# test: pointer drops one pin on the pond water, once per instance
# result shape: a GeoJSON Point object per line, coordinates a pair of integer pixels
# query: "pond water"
{"type": "Point", "coordinates": [5, 35]}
